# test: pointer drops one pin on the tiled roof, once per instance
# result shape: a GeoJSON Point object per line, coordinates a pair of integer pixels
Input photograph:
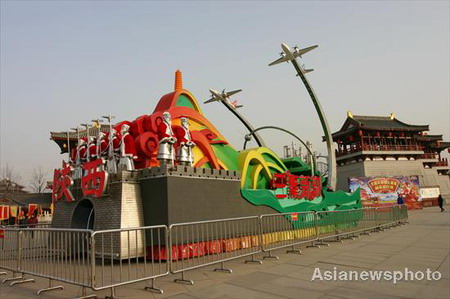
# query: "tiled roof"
{"type": "Point", "coordinates": [386, 122]}
{"type": "Point", "coordinates": [82, 133]}
{"type": "Point", "coordinates": [23, 199]}
{"type": "Point", "coordinates": [429, 137]}
{"type": "Point", "coordinates": [382, 123]}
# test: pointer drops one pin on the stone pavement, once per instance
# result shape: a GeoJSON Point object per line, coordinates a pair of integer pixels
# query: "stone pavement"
{"type": "Point", "coordinates": [421, 245]}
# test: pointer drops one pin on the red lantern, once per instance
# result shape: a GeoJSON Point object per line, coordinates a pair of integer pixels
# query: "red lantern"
{"type": "Point", "coordinates": [378, 134]}
{"type": "Point", "coordinates": [350, 138]}
{"type": "Point", "coordinates": [360, 132]}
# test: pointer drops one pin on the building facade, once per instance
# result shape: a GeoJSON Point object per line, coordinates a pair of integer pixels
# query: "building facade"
{"type": "Point", "coordinates": [375, 146]}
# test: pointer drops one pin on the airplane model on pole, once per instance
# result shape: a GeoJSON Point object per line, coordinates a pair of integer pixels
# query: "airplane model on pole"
{"type": "Point", "coordinates": [289, 55]}
{"type": "Point", "coordinates": [224, 98]}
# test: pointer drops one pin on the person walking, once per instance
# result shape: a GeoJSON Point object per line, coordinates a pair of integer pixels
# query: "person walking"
{"type": "Point", "coordinates": [24, 220]}
{"type": "Point", "coordinates": [441, 202]}
{"type": "Point", "coordinates": [400, 200]}
{"type": "Point", "coordinates": [33, 221]}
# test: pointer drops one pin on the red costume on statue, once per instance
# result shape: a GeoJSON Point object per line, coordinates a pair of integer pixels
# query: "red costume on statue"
{"type": "Point", "coordinates": [164, 131]}
{"type": "Point", "coordinates": [182, 134]}
{"type": "Point", "coordinates": [130, 148]}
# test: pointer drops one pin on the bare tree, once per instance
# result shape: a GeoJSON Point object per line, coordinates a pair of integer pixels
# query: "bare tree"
{"type": "Point", "coordinates": [10, 179]}
{"type": "Point", "coordinates": [38, 182]}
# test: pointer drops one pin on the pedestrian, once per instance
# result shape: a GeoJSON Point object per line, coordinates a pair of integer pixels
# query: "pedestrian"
{"type": "Point", "coordinates": [441, 202]}
{"type": "Point", "coordinates": [400, 200]}
{"type": "Point", "coordinates": [33, 221]}
{"type": "Point", "coordinates": [24, 220]}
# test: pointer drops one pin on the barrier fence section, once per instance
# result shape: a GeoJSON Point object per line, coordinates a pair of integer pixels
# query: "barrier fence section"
{"type": "Point", "coordinates": [9, 253]}
{"type": "Point", "coordinates": [37, 225]}
{"type": "Point", "coordinates": [125, 256]}
{"type": "Point", "coordinates": [202, 243]}
{"type": "Point", "coordinates": [388, 216]}
{"type": "Point", "coordinates": [111, 258]}
{"type": "Point", "coordinates": [287, 229]}
{"type": "Point", "coordinates": [402, 214]}
{"type": "Point", "coordinates": [335, 224]}
{"type": "Point", "coordinates": [57, 254]}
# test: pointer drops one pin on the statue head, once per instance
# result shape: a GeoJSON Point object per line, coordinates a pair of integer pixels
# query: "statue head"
{"type": "Point", "coordinates": [124, 129]}
{"type": "Point", "coordinates": [166, 117]}
{"type": "Point", "coordinates": [185, 122]}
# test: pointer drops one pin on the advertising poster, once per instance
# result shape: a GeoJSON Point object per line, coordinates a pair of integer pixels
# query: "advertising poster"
{"type": "Point", "coordinates": [430, 192]}
{"type": "Point", "coordinates": [384, 191]}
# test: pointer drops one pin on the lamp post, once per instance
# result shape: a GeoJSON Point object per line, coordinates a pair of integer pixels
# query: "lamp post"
{"type": "Point", "coordinates": [68, 147]}
{"type": "Point", "coordinates": [77, 157]}
{"type": "Point", "coordinates": [110, 117]}
{"type": "Point", "coordinates": [88, 142]}
{"type": "Point", "coordinates": [97, 123]}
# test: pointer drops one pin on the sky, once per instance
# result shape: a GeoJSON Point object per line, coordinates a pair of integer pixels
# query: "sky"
{"type": "Point", "coordinates": [67, 62]}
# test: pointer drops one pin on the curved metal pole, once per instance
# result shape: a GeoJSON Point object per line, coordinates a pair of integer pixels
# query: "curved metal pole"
{"type": "Point", "coordinates": [246, 123]}
{"type": "Point", "coordinates": [326, 128]}
{"type": "Point", "coordinates": [248, 138]}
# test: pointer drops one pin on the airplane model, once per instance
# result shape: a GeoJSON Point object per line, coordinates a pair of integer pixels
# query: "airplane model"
{"type": "Point", "coordinates": [288, 55]}
{"type": "Point", "coordinates": [224, 97]}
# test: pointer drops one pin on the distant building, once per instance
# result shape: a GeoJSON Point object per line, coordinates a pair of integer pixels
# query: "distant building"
{"type": "Point", "coordinates": [9, 187]}
{"type": "Point", "coordinates": [14, 199]}
{"type": "Point", "coordinates": [24, 199]}
{"type": "Point", "coordinates": [373, 146]}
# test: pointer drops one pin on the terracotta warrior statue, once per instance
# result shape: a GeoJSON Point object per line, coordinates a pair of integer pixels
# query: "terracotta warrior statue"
{"type": "Point", "coordinates": [185, 143]}
{"type": "Point", "coordinates": [127, 149]}
{"type": "Point", "coordinates": [166, 141]}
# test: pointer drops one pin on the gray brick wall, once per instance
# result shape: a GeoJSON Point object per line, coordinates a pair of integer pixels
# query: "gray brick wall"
{"type": "Point", "coordinates": [119, 207]}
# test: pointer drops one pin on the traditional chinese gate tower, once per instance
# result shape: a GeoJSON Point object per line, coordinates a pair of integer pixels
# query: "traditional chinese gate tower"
{"type": "Point", "coordinates": [385, 146]}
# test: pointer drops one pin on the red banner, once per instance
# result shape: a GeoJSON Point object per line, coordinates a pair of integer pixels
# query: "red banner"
{"type": "Point", "coordinates": [297, 187]}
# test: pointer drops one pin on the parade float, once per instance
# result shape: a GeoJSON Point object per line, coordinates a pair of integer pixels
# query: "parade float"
{"type": "Point", "coordinates": [174, 166]}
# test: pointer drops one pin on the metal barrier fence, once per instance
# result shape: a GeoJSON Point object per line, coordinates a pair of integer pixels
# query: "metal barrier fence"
{"type": "Point", "coordinates": [287, 230]}
{"type": "Point", "coordinates": [202, 243]}
{"type": "Point", "coordinates": [57, 254]}
{"type": "Point", "coordinates": [111, 258]}
{"type": "Point", "coordinates": [332, 224]}
{"type": "Point", "coordinates": [9, 255]}
{"type": "Point", "coordinates": [125, 256]}
{"type": "Point", "coordinates": [37, 225]}
{"type": "Point", "coordinates": [402, 214]}
{"type": "Point", "coordinates": [336, 224]}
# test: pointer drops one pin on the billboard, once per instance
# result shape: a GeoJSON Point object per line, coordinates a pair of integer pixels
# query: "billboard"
{"type": "Point", "coordinates": [384, 191]}
{"type": "Point", "coordinates": [430, 192]}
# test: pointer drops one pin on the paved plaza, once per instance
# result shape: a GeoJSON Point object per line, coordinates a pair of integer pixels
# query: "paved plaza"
{"type": "Point", "coordinates": [421, 245]}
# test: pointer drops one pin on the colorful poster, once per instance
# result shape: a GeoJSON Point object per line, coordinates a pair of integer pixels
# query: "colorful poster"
{"type": "Point", "coordinates": [384, 191]}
